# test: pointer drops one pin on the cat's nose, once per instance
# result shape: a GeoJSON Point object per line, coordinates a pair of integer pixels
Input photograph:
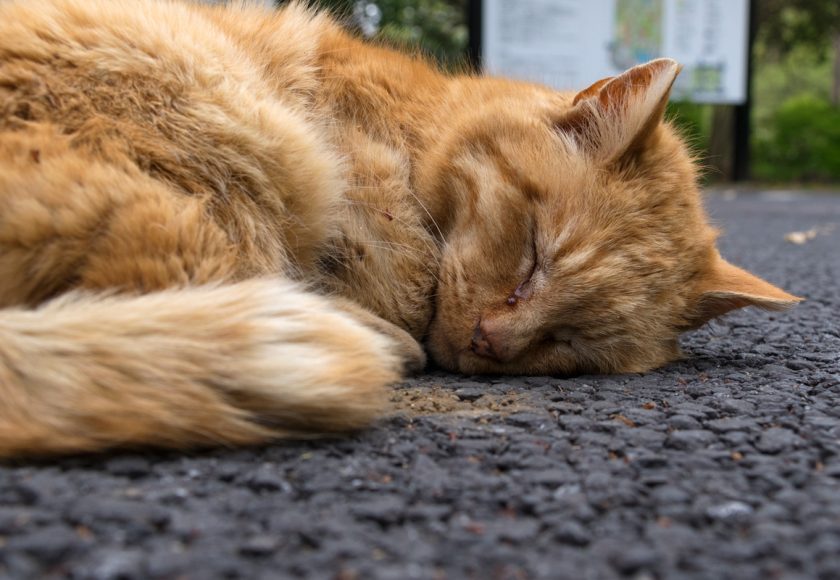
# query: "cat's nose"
{"type": "Point", "coordinates": [483, 343]}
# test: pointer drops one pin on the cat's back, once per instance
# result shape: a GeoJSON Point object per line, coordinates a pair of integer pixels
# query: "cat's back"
{"type": "Point", "coordinates": [203, 49]}
{"type": "Point", "coordinates": [130, 35]}
{"type": "Point", "coordinates": [212, 100]}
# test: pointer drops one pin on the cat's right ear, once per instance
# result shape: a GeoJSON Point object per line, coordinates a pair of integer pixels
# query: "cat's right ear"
{"type": "Point", "coordinates": [617, 116]}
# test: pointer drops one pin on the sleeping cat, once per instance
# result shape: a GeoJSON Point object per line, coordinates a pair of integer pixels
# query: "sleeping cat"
{"type": "Point", "coordinates": [226, 225]}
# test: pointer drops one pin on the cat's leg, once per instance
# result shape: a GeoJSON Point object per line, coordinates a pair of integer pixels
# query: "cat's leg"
{"type": "Point", "coordinates": [197, 364]}
{"type": "Point", "coordinates": [69, 220]}
{"type": "Point", "coordinates": [408, 349]}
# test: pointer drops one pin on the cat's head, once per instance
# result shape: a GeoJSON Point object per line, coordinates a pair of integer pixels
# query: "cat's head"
{"type": "Point", "coordinates": [580, 243]}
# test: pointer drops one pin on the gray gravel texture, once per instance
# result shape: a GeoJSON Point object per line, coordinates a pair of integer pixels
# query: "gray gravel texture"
{"type": "Point", "coordinates": [725, 465]}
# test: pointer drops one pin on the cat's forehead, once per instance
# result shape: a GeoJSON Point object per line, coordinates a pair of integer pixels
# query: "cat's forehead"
{"type": "Point", "coordinates": [537, 162]}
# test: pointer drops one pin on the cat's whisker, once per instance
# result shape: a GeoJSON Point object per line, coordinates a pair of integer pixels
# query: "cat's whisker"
{"type": "Point", "coordinates": [410, 251]}
{"type": "Point", "coordinates": [430, 246]}
{"type": "Point", "coordinates": [390, 215]}
{"type": "Point", "coordinates": [428, 213]}
{"type": "Point", "coordinates": [416, 198]}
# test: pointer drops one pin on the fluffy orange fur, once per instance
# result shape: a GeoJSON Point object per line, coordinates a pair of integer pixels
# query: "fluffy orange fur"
{"type": "Point", "coordinates": [221, 225]}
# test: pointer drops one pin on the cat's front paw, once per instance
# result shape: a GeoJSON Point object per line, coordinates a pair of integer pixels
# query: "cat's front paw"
{"type": "Point", "coordinates": [409, 350]}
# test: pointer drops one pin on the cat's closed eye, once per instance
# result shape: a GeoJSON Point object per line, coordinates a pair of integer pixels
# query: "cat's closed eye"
{"type": "Point", "coordinates": [532, 263]}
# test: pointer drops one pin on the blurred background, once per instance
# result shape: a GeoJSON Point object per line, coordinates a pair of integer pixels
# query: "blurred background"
{"type": "Point", "coordinates": [793, 115]}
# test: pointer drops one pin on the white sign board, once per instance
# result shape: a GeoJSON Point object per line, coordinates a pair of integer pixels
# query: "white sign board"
{"type": "Point", "coordinates": [569, 44]}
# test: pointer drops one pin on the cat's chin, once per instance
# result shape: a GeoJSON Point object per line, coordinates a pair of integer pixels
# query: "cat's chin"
{"type": "Point", "coordinates": [466, 362]}
{"type": "Point", "coordinates": [539, 360]}
{"type": "Point", "coordinates": [471, 364]}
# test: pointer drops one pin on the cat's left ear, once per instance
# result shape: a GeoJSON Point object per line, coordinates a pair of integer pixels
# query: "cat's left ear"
{"type": "Point", "coordinates": [726, 287]}
{"type": "Point", "coordinates": [617, 116]}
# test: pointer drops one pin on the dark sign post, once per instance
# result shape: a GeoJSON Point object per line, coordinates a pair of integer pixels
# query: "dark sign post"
{"type": "Point", "coordinates": [474, 26]}
{"type": "Point", "coordinates": [570, 43]}
{"type": "Point", "coordinates": [742, 126]}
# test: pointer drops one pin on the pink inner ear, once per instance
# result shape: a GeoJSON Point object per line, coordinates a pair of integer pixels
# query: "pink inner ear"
{"type": "Point", "coordinates": [621, 89]}
{"type": "Point", "coordinates": [638, 80]}
{"type": "Point", "coordinates": [591, 91]}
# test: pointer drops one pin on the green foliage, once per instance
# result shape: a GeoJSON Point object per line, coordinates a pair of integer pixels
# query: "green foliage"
{"type": "Point", "coordinates": [801, 143]}
{"type": "Point", "coordinates": [801, 72]}
{"type": "Point", "coordinates": [437, 27]}
{"type": "Point", "coordinates": [786, 24]}
{"type": "Point", "coordinates": [693, 120]}
{"type": "Point", "coordinates": [796, 131]}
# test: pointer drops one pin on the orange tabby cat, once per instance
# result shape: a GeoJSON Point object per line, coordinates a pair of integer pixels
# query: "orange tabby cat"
{"type": "Point", "coordinates": [225, 225]}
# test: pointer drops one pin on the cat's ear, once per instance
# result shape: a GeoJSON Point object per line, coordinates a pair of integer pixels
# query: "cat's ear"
{"type": "Point", "coordinates": [616, 116]}
{"type": "Point", "coordinates": [726, 287]}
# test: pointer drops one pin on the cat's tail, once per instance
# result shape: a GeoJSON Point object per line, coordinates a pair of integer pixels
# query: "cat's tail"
{"type": "Point", "coordinates": [231, 364]}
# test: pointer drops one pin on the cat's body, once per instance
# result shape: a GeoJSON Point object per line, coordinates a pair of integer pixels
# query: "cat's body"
{"type": "Point", "coordinates": [280, 214]}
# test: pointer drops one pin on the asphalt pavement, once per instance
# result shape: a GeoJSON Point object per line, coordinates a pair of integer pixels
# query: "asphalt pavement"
{"type": "Point", "coordinates": [724, 465]}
